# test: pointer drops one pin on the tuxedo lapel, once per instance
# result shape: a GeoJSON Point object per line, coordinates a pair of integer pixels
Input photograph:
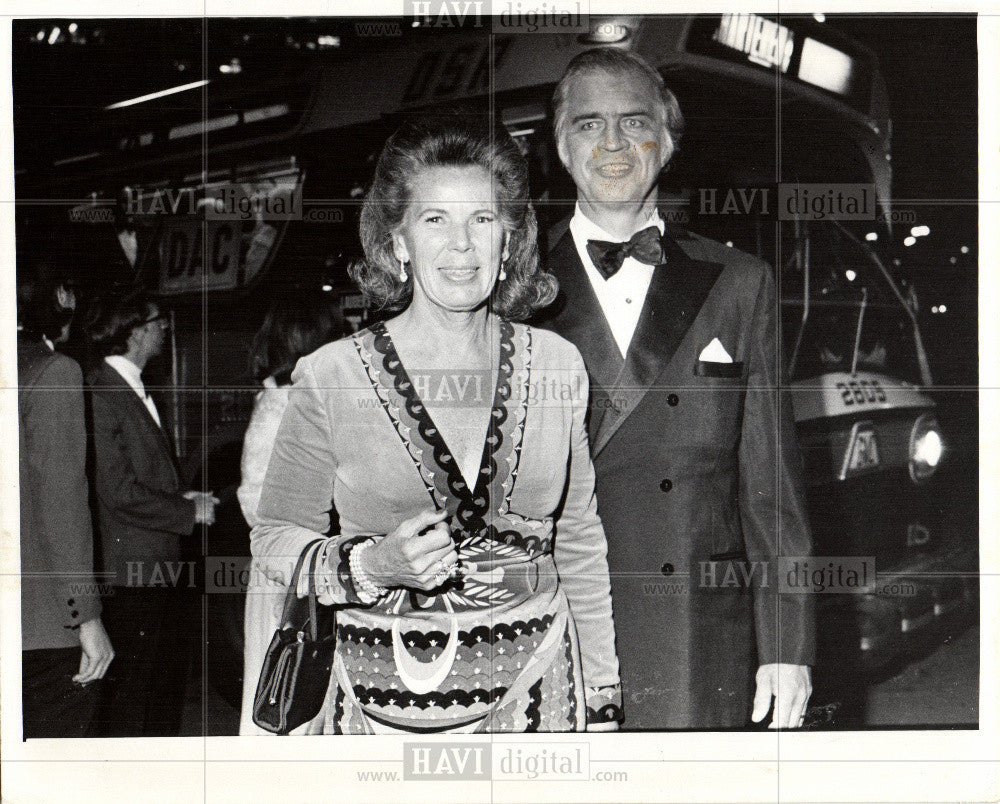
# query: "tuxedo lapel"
{"type": "Point", "coordinates": [126, 394]}
{"type": "Point", "coordinates": [676, 293]}
{"type": "Point", "coordinates": [579, 318]}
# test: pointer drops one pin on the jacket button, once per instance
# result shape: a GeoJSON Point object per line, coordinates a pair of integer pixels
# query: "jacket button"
{"type": "Point", "coordinates": [71, 602]}
{"type": "Point", "coordinates": [666, 484]}
{"type": "Point", "coordinates": [672, 400]}
{"type": "Point", "coordinates": [74, 614]}
{"type": "Point", "coordinates": [667, 569]}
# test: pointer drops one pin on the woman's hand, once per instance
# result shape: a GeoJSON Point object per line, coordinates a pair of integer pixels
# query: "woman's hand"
{"type": "Point", "coordinates": [406, 558]}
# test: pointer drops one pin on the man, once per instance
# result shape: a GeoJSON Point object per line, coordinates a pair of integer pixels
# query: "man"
{"type": "Point", "coordinates": [697, 468]}
{"type": "Point", "coordinates": [65, 646]}
{"type": "Point", "coordinates": [143, 514]}
{"type": "Point", "coordinates": [116, 250]}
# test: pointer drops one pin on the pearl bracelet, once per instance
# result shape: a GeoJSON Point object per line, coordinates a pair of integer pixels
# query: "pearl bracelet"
{"type": "Point", "coordinates": [367, 590]}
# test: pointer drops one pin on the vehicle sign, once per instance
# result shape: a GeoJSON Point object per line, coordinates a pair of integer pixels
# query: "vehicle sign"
{"type": "Point", "coordinates": [839, 393]}
{"type": "Point", "coordinates": [862, 451]}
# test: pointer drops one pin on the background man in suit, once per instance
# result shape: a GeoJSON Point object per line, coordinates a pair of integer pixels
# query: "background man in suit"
{"type": "Point", "coordinates": [142, 514]}
{"type": "Point", "coordinates": [697, 467]}
{"type": "Point", "coordinates": [65, 646]}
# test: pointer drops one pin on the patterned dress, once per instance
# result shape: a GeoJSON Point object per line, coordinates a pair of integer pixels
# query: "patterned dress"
{"type": "Point", "coordinates": [524, 641]}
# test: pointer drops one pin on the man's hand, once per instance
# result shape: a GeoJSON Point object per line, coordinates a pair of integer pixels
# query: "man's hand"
{"type": "Point", "coordinates": [204, 506]}
{"type": "Point", "coordinates": [790, 685]}
{"type": "Point", "coordinates": [97, 652]}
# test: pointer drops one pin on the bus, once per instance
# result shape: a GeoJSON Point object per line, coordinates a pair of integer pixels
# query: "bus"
{"type": "Point", "coordinates": [255, 191]}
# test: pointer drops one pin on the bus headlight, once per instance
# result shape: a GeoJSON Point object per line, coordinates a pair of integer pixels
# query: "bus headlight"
{"type": "Point", "coordinates": [926, 448]}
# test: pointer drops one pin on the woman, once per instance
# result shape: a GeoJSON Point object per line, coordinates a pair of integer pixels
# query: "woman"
{"type": "Point", "coordinates": [470, 570]}
{"type": "Point", "coordinates": [293, 327]}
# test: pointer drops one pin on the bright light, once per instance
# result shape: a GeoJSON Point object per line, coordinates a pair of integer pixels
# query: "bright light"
{"type": "Point", "coordinates": [606, 33]}
{"type": "Point", "coordinates": [920, 231]}
{"type": "Point", "coordinates": [909, 241]}
{"type": "Point", "coordinates": [40, 36]}
{"type": "Point", "coordinates": [871, 237]}
{"type": "Point", "coordinates": [327, 288]}
{"type": "Point", "coordinates": [928, 449]}
{"type": "Point", "coordinates": [328, 41]}
{"type": "Point", "coordinates": [729, 243]}
{"type": "Point", "coordinates": [964, 249]}
{"type": "Point", "coordinates": [934, 309]}
{"type": "Point", "coordinates": [953, 260]}
{"type": "Point", "coordinates": [819, 17]}
{"type": "Point", "coordinates": [825, 66]}
{"type": "Point", "coordinates": [265, 113]}
{"type": "Point", "coordinates": [54, 36]}
{"type": "Point", "coordinates": [415, 24]}
{"type": "Point", "coordinates": [232, 68]}
{"type": "Point", "coordinates": [154, 95]}
{"type": "Point", "coordinates": [850, 274]}
{"type": "Point", "coordinates": [72, 27]}
{"type": "Point", "coordinates": [942, 308]}
{"type": "Point", "coordinates": [202, 126]}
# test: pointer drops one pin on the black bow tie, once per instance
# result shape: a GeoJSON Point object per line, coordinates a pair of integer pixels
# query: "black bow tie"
{"type": "Point", "coordinates": [644, 246]}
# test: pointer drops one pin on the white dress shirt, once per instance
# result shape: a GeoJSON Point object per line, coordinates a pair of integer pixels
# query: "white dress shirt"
{"type": "Point", "coordinates": [130, 245]}
{"type": "Point", "coordinates": [621, 297]}
{"type": "Point", "coordinates": [132, 374]}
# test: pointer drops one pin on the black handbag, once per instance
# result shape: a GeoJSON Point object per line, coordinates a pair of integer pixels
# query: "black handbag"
{"type": "Point", "coordinates": [298, 664]}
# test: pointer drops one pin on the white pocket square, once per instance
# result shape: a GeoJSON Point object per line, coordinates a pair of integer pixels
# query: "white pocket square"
{"type": "Point", "coordinates": [715, 352]}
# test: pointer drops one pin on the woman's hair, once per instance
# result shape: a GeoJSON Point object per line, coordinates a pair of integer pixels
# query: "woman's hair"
{"type": "Point", "coordinates": [112, 317]}
{"type": "Point", "coordinates": [294, 326]}
{"type": "Point", "coordinates": [451, 141]}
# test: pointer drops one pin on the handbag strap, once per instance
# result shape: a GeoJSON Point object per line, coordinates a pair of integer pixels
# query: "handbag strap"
{"type": "Point", "coordinates": [313, 618]}
{"type": "Point", "coordinates": [292, 596]}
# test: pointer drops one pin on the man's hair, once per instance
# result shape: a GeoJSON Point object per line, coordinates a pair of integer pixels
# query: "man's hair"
{"type": "Point", "coordinates": [39, 311]}
{"type": "Point", "coordinates": [455, 140]}
{"type": "Point", "coordinates": [617, 62]}
{"type": "Point", "coordinates": [294, 326]}
{"type": "Point", "coordinates": [112, 317]}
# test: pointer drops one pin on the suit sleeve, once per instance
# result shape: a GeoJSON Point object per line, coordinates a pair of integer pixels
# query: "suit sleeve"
{"type": "Point", "coordinates": [297, 497]}
{"type": "Point", "coordinates": [119, 486]}
{"type": "Point", "coordinates": [581, 556]}
{"type": "Point", "coordinates": [57, 441]}
{"type": "Point", "coordinates": [772, 500]}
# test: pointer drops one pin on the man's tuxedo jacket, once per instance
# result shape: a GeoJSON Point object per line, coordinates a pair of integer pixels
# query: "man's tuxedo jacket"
{"type": "Point", "coordinates": [698, 481]}
{"type": "Point", "coordinates": [58, 592]}
{"type": "Point", "coordinates": [141, 512]}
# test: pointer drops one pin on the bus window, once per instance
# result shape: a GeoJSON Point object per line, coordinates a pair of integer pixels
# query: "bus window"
{"type": "Point", "coordinates": [854, 320]}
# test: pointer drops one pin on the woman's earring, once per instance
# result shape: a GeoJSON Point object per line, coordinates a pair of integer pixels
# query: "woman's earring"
{"type": "Point", "coordinates": [402, 271]}
{"type": "Point", "coordinates": [503, 274]}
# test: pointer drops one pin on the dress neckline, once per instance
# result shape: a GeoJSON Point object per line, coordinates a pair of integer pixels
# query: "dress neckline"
{"type": "Point", "coordinates": [472, 504]}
